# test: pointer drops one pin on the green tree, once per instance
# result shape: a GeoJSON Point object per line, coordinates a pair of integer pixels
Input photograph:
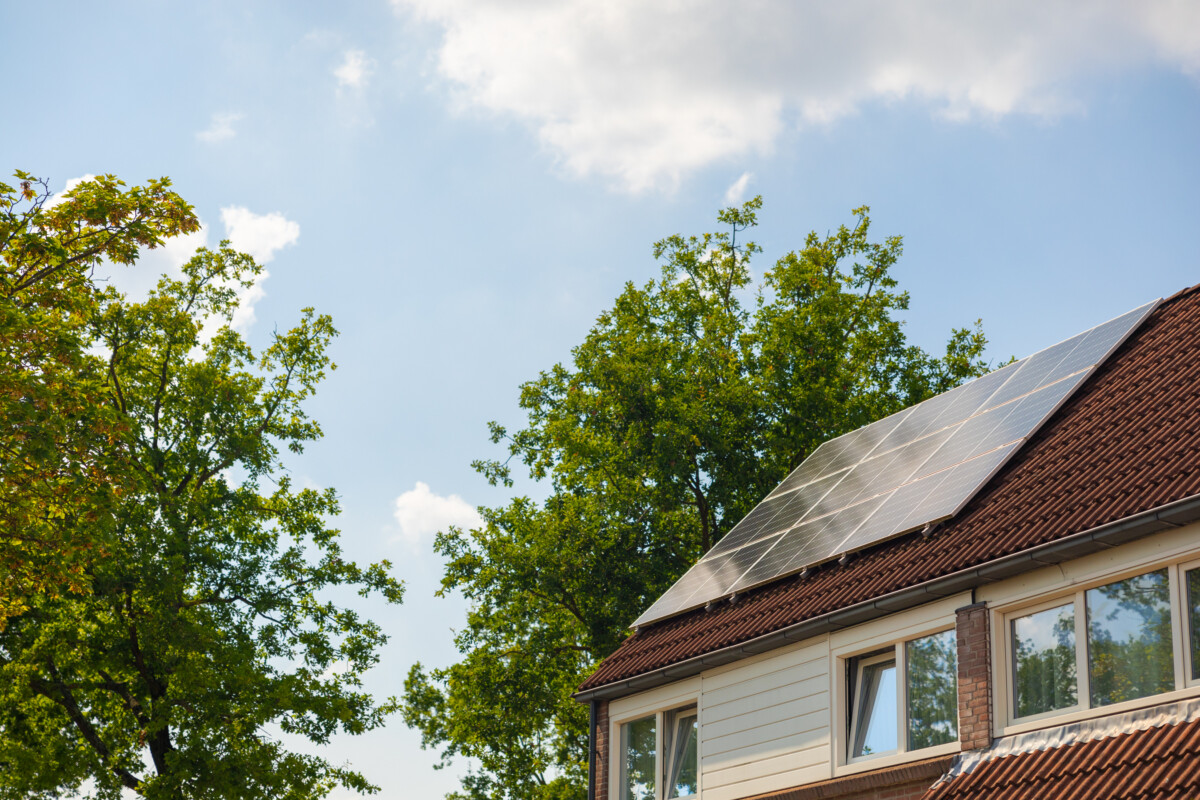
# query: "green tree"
{"type": "Point", "coordinates": [59, 443]}
{"type": "Point", "coordinates": [687, 402]}
{"type": "Point", "coordinates": [204, 635]}
{"type": "Point", "coordinates": [931, 681]}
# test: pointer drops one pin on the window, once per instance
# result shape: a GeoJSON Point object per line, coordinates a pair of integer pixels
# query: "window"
{"type": "Point", "coordinates": [654, 768]}
{"type": "Point", "coordinates": [1193, 612]}
{"type": "Point", "coordinates": [638, 745]}
{"type": "Point", "coordinates": [1129, 639]}
{"type": "Point", "coordinates": [1109, 644]}
{"type": "Point", "coordinates": [1044, 660]}
{"type": "Point", "coordinates": [888, 715]}
{"type": "Point", "coordinates": [679, 747]}
{"type": "Point", "coordinates": [874, 726]}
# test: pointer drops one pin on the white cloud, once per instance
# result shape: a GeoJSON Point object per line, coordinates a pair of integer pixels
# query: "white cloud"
{"type": "Point", "coordinates": [736, 192]}
{"type": "Point", "coordinates": [71, 183]}
{"type": "Point", "coordinates": [260, 235]}
{"type": "Point", "coordinates": [645, 93]}
{"type": "Point", "coordinates": [138, 279]}
{"type": "Point", "coordinates": [421, 513]}
{"type": "Point", "coordinates": [354, 71]}
{"type": "Point", "coordinates": [220, 127]}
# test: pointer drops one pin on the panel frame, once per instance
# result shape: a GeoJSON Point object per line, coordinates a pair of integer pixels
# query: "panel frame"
{"type": "Point", "coordinates": [924, 422]}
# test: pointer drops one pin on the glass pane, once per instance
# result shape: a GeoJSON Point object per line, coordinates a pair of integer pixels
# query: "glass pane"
{"type": "Point", "coordinates": [932, 684]}
{"type": "Point", "coordinates": [874, 720]}
{"type": "Point", "coordinates": [1129, 639]}
{"type": "Point", "coordinates": [1044, 660]}
{"type": "Point", "coordinates": [680, 747]}
{"type": "Point", "coordinates": [1193, 594]}
{"type": "Point", "coordinates": [637, 765]}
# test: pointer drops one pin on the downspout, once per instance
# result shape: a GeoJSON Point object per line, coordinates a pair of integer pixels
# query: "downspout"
{"type": "Point", "coordinates": [592, 750]}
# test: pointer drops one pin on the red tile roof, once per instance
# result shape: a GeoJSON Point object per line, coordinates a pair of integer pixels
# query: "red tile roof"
{"type": "Point", "coordinates": [1160, 763]}
{"type": "Point", "coordinates": [1128, 441]}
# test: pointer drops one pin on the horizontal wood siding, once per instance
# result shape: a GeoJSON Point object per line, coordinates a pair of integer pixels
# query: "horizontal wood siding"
{"type": "Point", "coordinates": [765, 723]}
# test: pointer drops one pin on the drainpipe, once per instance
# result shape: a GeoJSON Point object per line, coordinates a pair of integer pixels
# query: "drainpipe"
{"type": "Point", "coordinates": [592, 750]}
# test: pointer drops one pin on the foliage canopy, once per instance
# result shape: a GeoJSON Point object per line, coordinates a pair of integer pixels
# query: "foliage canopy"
{"type": "Point", "coordinates": [58, 441]}
{"type": "Point", "coordinates": [198, 632]}
{"type": "Point", "coordinates": [689, 399]}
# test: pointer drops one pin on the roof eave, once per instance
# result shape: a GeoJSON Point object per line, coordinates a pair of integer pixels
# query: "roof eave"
{"type": "Point", "coordinates": [1102, 537]}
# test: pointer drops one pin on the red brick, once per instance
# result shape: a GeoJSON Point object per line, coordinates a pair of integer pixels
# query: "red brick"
{"type": "Point", "coordinates": [974, 677]}
{"type": "Point", "coordinates": [602, 751]}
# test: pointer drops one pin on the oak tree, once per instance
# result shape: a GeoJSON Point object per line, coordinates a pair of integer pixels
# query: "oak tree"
{"type": "Point", "coordinates": [688, 400]}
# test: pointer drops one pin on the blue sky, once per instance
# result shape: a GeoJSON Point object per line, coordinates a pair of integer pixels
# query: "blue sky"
{"type": "Point", "coordinates": [465, 186]}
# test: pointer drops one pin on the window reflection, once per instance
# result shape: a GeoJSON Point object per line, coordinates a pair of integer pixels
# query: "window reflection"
{"type": "Point", "coordinates": [1129, 639]}
{"type": "Point", "coordinates": [638, 762]}
{"type": "Point", "coordinates": [932, 690]}
{"type": "Point", "coordinates": [1044, 660]}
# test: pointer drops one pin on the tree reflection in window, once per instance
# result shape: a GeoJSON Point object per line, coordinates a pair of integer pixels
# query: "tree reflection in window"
{"type": "Point", "coordinates": [638, 762]}
{"type": "Point", "coordinates": [1044, 661]}
{"type": "Point", "coordinates": [1129, 639]}
{"type": "Point", "coordinates": [932, 689]}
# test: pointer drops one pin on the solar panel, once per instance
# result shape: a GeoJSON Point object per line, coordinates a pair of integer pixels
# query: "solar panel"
{"type": "Point", "coordinates": [918, 466]}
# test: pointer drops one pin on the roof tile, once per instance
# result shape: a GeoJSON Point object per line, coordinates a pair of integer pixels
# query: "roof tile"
{"type": "Point", "coordinates": [1128, 441]}
{"type": "Point", "coordinates": [1153, 764]}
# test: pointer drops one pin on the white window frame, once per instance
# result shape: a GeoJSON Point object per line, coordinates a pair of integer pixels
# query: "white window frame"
{"type": "Point", "coordinates": [895, 657]}
{"type": "Point", "coordinates": [1004, 706]}
{"type": "Point", "coordinates": [1075, 600]}
{"type": "Point", "coordinates": [1182, 600]}
{"type": "Point", "coordinates": [616, 755]}
{"type": "Point", "coordinates": [842, 706]}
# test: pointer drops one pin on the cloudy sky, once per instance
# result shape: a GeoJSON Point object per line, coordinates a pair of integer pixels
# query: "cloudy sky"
{"type": "Point", "coordinates": [465, 185]}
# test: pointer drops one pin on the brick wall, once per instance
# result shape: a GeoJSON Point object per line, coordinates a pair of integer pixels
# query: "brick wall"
{"type": "Point", "coordinates": [601, 753]}
{"type": "Point", "coordinates": [974, 676]}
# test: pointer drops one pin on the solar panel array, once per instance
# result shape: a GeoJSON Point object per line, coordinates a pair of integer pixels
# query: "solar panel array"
{"type": "Point", "coordinates": [898, 474]}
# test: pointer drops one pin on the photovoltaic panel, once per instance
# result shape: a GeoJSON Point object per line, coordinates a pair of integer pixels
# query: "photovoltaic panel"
{"type": "Point", "coordinates": [820, 461]}
{"type": "Point", "coordinates": [752, 525]}
{"type": "Point", "coordinates": [918, 466]}
{"type": "Point", "coordinates": [708, 579]}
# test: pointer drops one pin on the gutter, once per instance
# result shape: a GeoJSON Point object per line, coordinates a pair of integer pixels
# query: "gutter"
{"type": "Point", "coordinates": [1102, 537]}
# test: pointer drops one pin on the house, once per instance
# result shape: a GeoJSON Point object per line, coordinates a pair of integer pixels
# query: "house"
{"type": "Point", "coordinates": [1040, 640]}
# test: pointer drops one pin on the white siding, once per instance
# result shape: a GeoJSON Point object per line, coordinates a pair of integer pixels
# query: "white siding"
{"type": "Point", "coordinates": [765, 722]}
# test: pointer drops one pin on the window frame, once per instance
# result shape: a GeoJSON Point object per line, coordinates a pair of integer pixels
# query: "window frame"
{"type": "Point", "coordinates": [1004, 658]}
{"type": "Point", "coordinates": [1009, 655]}
{"type": "Point", "coordinates": [660, 713]}
{"type": "Point", "coordinates": [860, 663]}
{"type": "Point", "coordinates": [1181, 598]}
{"type": "Point", "coordinates": [842, 707]}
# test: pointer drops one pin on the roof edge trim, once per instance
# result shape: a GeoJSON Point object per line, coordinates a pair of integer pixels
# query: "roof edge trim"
{"type": "Point", "coordinates": [1101, 537]}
